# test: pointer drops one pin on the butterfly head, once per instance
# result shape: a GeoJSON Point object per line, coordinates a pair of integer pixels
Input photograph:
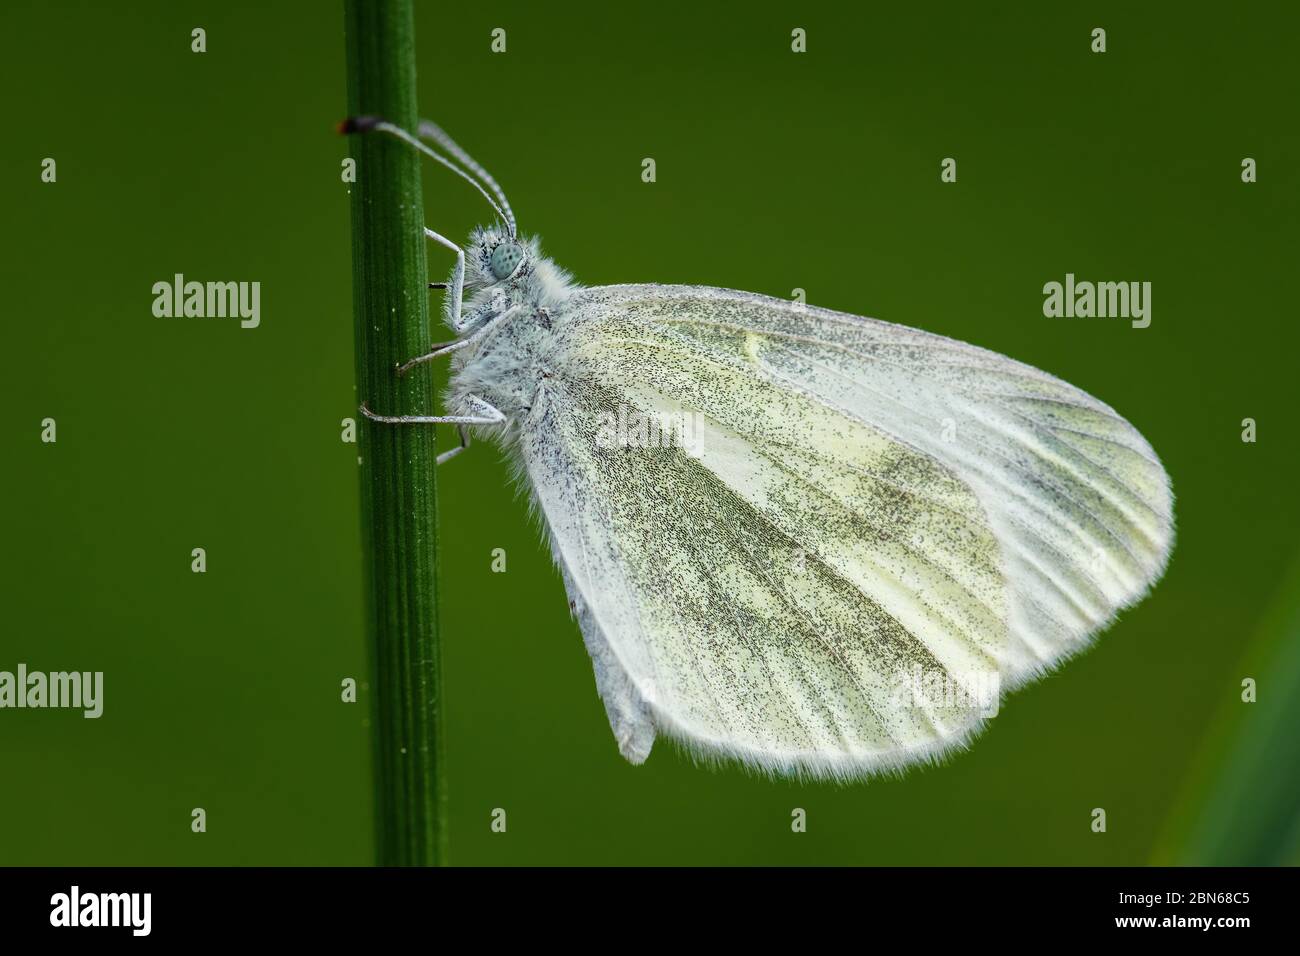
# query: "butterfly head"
{"type": "Point", "coordinates": [502, 269]}
{"type": "Point", "coordinates": [496, 258]}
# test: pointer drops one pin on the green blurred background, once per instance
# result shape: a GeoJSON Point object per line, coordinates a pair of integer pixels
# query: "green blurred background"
{"type": "Point", "coordinates": [775, 171]}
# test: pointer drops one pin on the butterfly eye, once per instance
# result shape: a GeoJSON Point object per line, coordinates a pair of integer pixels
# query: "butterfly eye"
{"type": "Point", "coordinates": [505, 258]}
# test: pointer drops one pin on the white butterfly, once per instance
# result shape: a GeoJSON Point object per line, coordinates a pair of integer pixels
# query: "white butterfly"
{"type": "Point", "coordinates": [813, 542]}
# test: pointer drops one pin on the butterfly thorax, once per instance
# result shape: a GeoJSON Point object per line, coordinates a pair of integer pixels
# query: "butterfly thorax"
{"type": "Point", "coordinates": [513, 311]}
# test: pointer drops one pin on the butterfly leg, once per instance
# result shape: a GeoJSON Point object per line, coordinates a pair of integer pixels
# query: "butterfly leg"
{"type": "Point", "coordinates": [442, 348]}
{"type": "Point", "coordinates": [457, 277]}
{"type": "Point", "coordinates": [486, 415]}
{"type": "Point", "coordinates": [453, 452]}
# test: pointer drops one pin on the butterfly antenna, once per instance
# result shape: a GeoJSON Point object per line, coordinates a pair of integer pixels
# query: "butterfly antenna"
{"type": "Point", "coordinates": [431, 130]}
{"type": "Point", "coordinates": [365, 124]}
